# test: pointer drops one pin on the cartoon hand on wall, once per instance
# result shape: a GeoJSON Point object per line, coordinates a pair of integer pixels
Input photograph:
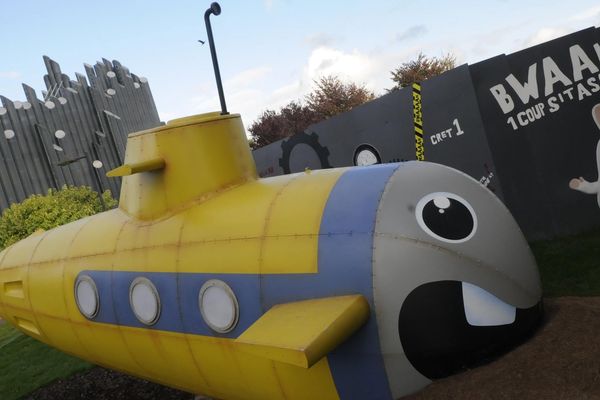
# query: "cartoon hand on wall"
{"type": "Point", "coordinates": [581, 184]}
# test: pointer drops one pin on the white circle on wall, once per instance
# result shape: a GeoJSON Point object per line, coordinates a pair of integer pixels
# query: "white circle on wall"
{"type": "Point", "coordinates": [86, 296]}
{"type": "Point", "coordinates": [9, 133]}
{"type": "Point", "coordinates": [366, 157]}
{"type": "Point", "coordinates": [144, 300]}
{"type": "Point", "coordinates": [111, 92]}
{"type": "Point", "coordinates": [62, 100]}
{"type": "Point", "coordinates": [97, 164]}
{"type": "Point", "coordinates": [26, 105]}
{"type": "Point", "coordinates": [136, 85]}
{"type": "Point", "coordinates": [59, 134]}
{"type": "Point", "coordinates": [111, 74]}
{"type": "Point", "coordinates": [17, 104]}
{"type": "Point", "coordinates": [2, 111]}
{"type": "Point", "coordinates": [218, 306]}
{"type": "Point", "coordinates": [49, 105]}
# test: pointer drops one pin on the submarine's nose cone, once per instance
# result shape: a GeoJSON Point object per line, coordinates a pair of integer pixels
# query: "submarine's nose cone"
{"type": "Point", "coordinates": [449, 326]}
{"type": "Point", "coordinates": [455, 282]}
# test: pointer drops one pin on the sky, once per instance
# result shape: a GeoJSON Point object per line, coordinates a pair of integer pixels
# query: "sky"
{"type": "Point", "coordinates": [270, 51]}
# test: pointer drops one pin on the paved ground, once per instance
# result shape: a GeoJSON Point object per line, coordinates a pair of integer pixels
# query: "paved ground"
{"type": "Point", "coordinates": [562, 361]}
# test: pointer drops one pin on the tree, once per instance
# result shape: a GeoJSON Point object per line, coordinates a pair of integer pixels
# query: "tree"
{"type": "Point", "coordinates": [48, 211]}
{"type": "Point", "coordinates": [421, 69]}
{"type": "Point", "coordinates": [274, 125]}
{"type": "Point", "coordinates": [330, 97]}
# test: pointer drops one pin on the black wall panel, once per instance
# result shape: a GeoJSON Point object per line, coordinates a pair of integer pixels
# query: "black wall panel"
{"type": "Point", "coordinates": [521, 124]}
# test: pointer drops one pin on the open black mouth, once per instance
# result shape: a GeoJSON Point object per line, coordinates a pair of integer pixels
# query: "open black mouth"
{"type": "Point", "coordinates": [439, 339]}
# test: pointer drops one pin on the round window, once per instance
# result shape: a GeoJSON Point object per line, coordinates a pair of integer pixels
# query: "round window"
{"type": "Point", "coordinates": [218, 306]}
{"type": "Point", "coordinates": [86, 296]}
{"type": "Point", "coordinates": [144, 300]}
{"type": "Point", "coordinates": [366, 155]}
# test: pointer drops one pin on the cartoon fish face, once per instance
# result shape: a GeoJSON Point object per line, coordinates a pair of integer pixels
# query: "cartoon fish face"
{"type": "Point", "coordinates": [454, 279]}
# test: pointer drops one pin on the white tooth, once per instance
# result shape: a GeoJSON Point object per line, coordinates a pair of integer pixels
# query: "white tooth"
{"type": "Point", "coordinates": [484, 309]}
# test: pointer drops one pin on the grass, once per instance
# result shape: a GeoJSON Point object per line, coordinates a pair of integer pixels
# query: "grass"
{"type": "Point", "coordinates": [570, 266]}
{"type": "Point", "coordinates": [26, 364]}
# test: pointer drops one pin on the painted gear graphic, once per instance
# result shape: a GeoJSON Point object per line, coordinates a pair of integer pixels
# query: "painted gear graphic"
{"type": "Point", "coordinates": [311, 140]}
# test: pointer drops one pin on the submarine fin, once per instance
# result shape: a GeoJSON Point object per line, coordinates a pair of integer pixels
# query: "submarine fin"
{"type": "Point", "coordinates": [135, 168]}
{"type": "Point", "coordinates": [303, 332]}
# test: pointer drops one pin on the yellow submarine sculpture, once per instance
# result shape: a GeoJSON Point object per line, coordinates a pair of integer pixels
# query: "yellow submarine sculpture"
{"type": "Point", "coordinates": [347, 283]}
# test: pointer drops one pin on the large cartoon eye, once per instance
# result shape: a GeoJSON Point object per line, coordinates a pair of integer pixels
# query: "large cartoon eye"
{"type": "Point", "coordinates": [447, 217]}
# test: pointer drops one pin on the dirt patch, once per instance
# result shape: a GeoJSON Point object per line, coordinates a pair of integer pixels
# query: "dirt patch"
{"type": "Point", "coordinates": [562, 361]}
{"type": "Point", "coordinates": [102, 384]}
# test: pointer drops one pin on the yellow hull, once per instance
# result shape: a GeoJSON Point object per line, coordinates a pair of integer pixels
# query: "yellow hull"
{"type": "Point", "coordinates": [261, 227]}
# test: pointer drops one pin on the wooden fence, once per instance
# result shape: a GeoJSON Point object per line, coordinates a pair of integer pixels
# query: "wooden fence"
{"type": "Point", "coordinates": [75, 133]}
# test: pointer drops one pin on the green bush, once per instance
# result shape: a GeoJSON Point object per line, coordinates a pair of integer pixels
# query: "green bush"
{"type": "Point", "coordinates": [56, 208]}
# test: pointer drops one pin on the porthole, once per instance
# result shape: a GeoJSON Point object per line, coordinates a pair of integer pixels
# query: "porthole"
{"type": "Point", "coordinates": [446, 217]}
{"type": "Point", "coordinates": [144, 300]}
{"type": "Point", "coordinates": [366, 155]}
{"type": "Point", "coordinates": [86, 296]}
{"type": "Point", "coordinates": [218, 306]}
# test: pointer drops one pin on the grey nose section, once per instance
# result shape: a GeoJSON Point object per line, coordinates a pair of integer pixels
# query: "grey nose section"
{"type": "Point", "coordinates": [481, 243]}
{"type": "Point", "coordinates": [436, 229]}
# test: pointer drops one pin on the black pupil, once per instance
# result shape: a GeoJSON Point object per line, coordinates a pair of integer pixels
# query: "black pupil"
{"type": "Point", "coordinates": [448, 218]}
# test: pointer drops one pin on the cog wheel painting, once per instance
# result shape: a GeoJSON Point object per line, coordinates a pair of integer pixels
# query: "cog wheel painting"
{"type": "Point", "coordinates": [312, 140]}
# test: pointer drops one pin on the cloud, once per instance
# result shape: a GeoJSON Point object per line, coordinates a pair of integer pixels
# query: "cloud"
{"type": "Point", "coordinates": [369, 69]}
{"type": "Point", "coordinates": [269, 4]}
{"type": "Point", "coordinates": [590, 13]}
{"type": "Point", "coordinates": [248, 94]}
{"type": "Point", "coordinates": [319, 40]}
{"type": "Point", "coordinates": [354, 66]}
{"type": "Point", "coordinates": [544, 35]}
{"type": "Point", "coordinates": [411, 33]}
{"type": "Point", "coordinates": [247, 77]}
{"type": "Point", "coordinates": [10, 74]}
